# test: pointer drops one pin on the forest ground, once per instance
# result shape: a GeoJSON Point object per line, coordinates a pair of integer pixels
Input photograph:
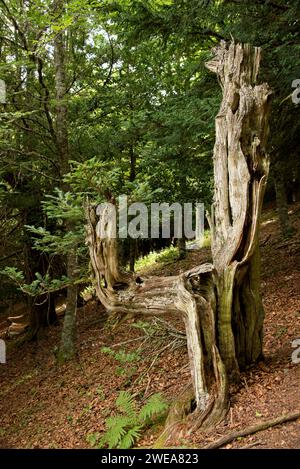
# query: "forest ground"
{"type": "Point", "coordinates": [43, 405]}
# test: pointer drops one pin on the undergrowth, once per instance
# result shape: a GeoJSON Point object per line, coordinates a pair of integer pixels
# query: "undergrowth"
{"type": "Point", "coordinates": [125, 428]}
{"type": "Point", "coordinates": [166, 256]}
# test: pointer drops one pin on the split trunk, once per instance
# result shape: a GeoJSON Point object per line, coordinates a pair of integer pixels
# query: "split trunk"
{"type": "Point", "coordinates": [220, 302]}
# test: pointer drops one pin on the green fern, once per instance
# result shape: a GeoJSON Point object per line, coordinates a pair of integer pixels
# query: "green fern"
{"type": "Point", "coordinates": [117, 427]}
{"type": "Point", "coordinates": [126, 404]}
{"type": "Point", "coordinates": [121, 355]}
{"type": "Point", "coordinates": [154, 406]}
{"type": "Point", "coordinates": [122, 431]}
{"type": "Point", "coordinates": [93, 438]}
{"type": "Point", "coordinates": [131, 436]}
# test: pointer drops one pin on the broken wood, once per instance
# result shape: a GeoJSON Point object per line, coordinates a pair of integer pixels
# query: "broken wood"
{"type": "Point", "coordinates": [220, 302]}
{"type": "Point", "coordinates": [17, 319]}
{"type": "Point", "coordinates": [252, 429]}
{"type": "Point", "coordinates": [16, 329]}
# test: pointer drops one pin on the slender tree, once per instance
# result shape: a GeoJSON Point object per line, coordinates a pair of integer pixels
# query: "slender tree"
{"type": "Point", "coordinates": [67, 346]}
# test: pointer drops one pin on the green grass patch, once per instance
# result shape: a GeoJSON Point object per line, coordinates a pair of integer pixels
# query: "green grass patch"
{"type": "Point", "coordinates": [165, 256]}
{"type": "Point", "coordinates": [206, 242]}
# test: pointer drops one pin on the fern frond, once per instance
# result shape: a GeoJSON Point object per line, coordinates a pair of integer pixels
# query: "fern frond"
{"type": "Point", "coordinates": [154, 406]}
{"type": "Point", "coordinates": [117, 427]}
{"type": "Point", "coordinates": [93, 438]}
{"type": "Point", "coordinates": [131, 436]}
{"type": "Point", "coordinates": [117, 421]}
{"type": "Point", "coordinates": [123, 430]}
{"type": "Point", "coordinates": [126, 404]}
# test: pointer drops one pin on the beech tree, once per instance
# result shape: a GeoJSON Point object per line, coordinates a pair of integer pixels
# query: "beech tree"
{"type": "Point", "coordinates": [220, 302]}
{"type": "Point", "coordinates": [67, 346]}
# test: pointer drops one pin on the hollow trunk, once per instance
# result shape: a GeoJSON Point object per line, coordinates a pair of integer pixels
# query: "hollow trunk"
{"type": "Point", "coordinates": [220, 302]}
{"type": "Point", "coordinates": [240, 173]}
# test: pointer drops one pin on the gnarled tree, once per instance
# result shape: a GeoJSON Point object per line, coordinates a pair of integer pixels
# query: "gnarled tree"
{"type": "Point", "coordinates": [220, 302]}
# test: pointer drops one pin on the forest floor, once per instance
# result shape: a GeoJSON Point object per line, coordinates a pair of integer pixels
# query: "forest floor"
{"type": "Point", "coordinates": [43, 405]}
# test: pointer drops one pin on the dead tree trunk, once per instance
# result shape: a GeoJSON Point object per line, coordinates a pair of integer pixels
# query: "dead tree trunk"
{"type": "Point", "coordinates": [240, 172]}
{"type": "Point", "coordinates": [220, 303]}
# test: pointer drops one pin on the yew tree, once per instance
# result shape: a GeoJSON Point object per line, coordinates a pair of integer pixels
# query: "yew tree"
{"type": "Point", "coordinates": [220, 302]}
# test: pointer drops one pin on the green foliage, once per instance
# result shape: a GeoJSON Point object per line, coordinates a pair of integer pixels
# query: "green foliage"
{"type": "Point", "coordinates": [121, 355]}
{"type": "Point", "coordinates": [126, 404]}
{"type": "Point", "coordinates": [165, 256]}
{"type": "Point", "coordinates": [13, 274]}
{"type": "Point", "coordinates": [41, 284]}
{"type": "Point", "coordinates": [141, 110]}
{"type": "Point", "coordinates": [100, 393]}
{"type": "Point", "coordinates": [124, 358]}
{"type": "Point", "coordinates": [206, 242]}
{"type": "Point", "coordinates": [61, 207]}
{"type": "Point", "coordinates": [154, 406]}
{"type": "Point", "coordinates": [94, 178]}
{"type": "Point", "coordinates": [93, 438]}
{"type": "Point", "coordinates": [88, 292]}
{"type": "Point", "coordinates": [148, 327]}
{"type": "Point", "coordinates": [123, 430]}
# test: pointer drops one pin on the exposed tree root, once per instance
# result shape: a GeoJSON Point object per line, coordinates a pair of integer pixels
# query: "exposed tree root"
{"type": "Point", "coordinates": [252, 429]}
{"type": "Point", "coordinates": [185, 417]}
{"type": "Point", "coordinates": [176, 423]}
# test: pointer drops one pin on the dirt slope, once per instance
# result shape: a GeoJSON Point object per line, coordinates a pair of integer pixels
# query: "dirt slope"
{"type": "Point", "coordinates": [46, 406]}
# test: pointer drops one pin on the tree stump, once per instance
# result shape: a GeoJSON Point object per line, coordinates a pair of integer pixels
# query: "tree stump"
{"type": "Point", "coordinates": [220, 302]}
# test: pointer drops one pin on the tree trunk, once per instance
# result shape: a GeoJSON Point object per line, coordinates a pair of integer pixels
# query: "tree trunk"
{"type": "Point", "coordinates": [132, 253]}
{"type": "Point", "coordinates": [132, 176]}
{"type": "Point", "coordinates": [220, 302]}
{"type": "Point", "coordinates": [41, 308]}
{"type": "Point", "coordinates": [281, 200]}
{"type": "Point", "coordinates": [67, 346]}
{"type": "Point", "coordinates": [240, 173]}
{"type": "Point", "coordinates": [181, 243]}
{"type": "Point", "coordinates": [68, 338]}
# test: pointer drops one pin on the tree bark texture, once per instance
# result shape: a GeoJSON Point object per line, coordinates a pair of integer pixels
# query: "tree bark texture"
{"type": "Point", "coordinates": [240, 172]}
{"type": "Point", "coordinates": [220, 302]}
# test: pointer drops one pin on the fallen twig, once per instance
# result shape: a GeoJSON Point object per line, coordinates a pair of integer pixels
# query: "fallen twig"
{"type": "Point", "coordinates": [287, 244]}
{"type": "Point", "coordinates": [128, 341]}
{"type": "Point", "coordinates": [264, 242]}
{"type": "Point", "coordinates": [255, 443]}
{"type": "Point", "coordinates": [172, 330]}
{"type": "Point", "coordinates": [252, 429]}
{"type": "Point", "coordinates": [145, 372]}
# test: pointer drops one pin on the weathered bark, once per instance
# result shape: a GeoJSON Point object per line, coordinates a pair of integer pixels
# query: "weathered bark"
{"type": "Point", "coordinates": [220, 302]}
{"type": "Point", "coordinates": [240, 172]}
